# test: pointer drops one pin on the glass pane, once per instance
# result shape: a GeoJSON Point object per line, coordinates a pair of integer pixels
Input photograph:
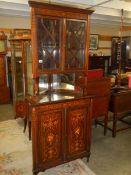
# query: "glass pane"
{"type": "Point", "coordinates": [64, 81]}
{"type": "Point", "coordinates": [2, 46]}
{"type": "Point", "coordinates": [29, 83]}
{"type": "Point", "coordinates": [18, 76]}
{"type": "Point", "coordinates": [75, 45]}
{"type": "Point", "coordinates": [43, 83]}
{"type": "Point", "coordinates": [48, 37]}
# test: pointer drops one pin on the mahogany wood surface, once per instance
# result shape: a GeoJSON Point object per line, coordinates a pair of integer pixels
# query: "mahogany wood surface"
{"type": "Point", "coordinates": [61, 131]}
{"type": "Point", "coordinates": [101, 89]}
{"type": "Point", "coordinates": [4, 89]}
{"type": "Point", "coordinates": [120, 102]}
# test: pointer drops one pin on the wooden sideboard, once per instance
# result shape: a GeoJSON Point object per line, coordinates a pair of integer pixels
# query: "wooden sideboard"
{"type": "Point", "coordinates": [61, 130]}
{"type": "Point", "coordinates": [101, 88]}
{"type": "Point", "coordinates": [120, 103]}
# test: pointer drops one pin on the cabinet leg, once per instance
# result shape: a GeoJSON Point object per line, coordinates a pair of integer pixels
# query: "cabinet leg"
{"type": "Point", "coordinates": [87, 159]}
{"type": "Point", "coordinates": [35, 172]}
{"type": "Point", "coordinates": [29, 128]}
{"type": "Point", "coordinates": [25, 123]}
{"type": "Point", "coordinates": [114, 125]}
{"type": "Point", "coordinates": [95, 122]}
{"type": "Point", "coordinates": [105, 124]}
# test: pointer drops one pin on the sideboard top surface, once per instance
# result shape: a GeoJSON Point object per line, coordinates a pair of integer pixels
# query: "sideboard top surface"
{"type": "Point", "coordinates": [55, 98]}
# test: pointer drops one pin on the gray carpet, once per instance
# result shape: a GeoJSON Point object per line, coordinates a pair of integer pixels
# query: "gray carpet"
{"type": "Point", "coordinates": [6, 112]}
{"type": "Point", "coordinates": [109, 156]}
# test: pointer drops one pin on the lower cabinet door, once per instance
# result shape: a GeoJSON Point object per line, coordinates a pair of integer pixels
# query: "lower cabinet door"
{"type": "Point", "coordinates": [50, 133]}
{"type": "Point", "coordinates": [78, 131]}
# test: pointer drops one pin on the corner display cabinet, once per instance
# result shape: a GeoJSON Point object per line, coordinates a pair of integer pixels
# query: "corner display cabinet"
{"type": "Point", "coordinates": [60, 110]}
{"type": "Point", "coordinates": [4, 89]}
{"type": "Point", "coordinates": [20, 54]}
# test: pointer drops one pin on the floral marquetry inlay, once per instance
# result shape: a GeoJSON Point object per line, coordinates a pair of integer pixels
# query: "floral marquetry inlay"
{"type": "Point", "coordinates": [77, 130]}
{"type": "Point", "coordinates": [51, 126]}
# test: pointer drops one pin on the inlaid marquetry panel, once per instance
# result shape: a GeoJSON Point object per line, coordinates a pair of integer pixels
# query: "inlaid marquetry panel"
{"type": "Point", "coordinates": [50, 130]}
{"type": "Point", "coordinates": [77, 127]}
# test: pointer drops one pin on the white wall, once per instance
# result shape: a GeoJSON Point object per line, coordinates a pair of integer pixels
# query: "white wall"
{"type": "Point", "coordinates": [107, 30]}
{"type": "Point", "coordinates": [15, 22]}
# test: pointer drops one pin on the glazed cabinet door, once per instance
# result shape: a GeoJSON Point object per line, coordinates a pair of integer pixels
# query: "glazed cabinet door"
{"type": "Point", "coordinates": [48, 44]}
{"type": "Point", "coordinates": [49, 135]}
{"type": "Point", "coordinates": [78, 124]}
{"type": "Point", "coordinates": [75, 57]}
{"type": "Point", "coordinates": [60, 45]}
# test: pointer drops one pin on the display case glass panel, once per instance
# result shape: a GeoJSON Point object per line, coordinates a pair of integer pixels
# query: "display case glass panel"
{"type": "Point", "coordinates": [75, 44]}
{"type": "Point", "coordinates": [56, 82]}
{"type": "Point", "coordinates": [63, 81]}
{"type": "Point", "coordinates": [21, 72]}
{"type": "Point", "coordinates": [18, 89]}
{"type": "Point", "coordinates": [44, 83]}
{"type": "Point", "coordinates": [2, 46]}
{"type": "Point", "coordinates": [48, 40]}
{"type": "Point", "coordinates": [28, 60]}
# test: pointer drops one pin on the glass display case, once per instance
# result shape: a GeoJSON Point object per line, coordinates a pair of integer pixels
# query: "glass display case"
{"type": "Point", "coordinates": [60, 50]}
{"type": "Point", "coordinates": [50, 43]}
{"type": "Point", "coordinates": [20, 56]}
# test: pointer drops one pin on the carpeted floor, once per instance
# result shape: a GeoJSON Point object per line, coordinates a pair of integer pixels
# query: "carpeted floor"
{"type": "Point", "coordinates": [109, 156]}
{"type": "Point", "coordinates": [6, 112]}
{"type": "Point", "coordinates": [16, 154]}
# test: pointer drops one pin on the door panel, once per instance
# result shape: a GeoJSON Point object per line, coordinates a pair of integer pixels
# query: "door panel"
{"type": "Point", "coordinates": [50, 132]}
{"type": "Point", "coordinates": [77, 135]}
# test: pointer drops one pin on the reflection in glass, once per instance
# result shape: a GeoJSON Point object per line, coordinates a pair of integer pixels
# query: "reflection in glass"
{"type": "Point", "coordinates": [28, 59]}
{"type": "Point", "coordinates": [56, 82]}
{"type": "Point", "coordinates": [18, 81]}
{"type": "Point", "coordinates": [64, 81]}
{"type": "Point", "coordinates": [43, 83]}
{"type": "Point", "coordinates": [48, 37]}
{"type": "Point", "coordinates": [19, 78]}
{"type": "Point", "coordinates": [55, 97]}
{"type": "Point", "coordinates": [75, 47]}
